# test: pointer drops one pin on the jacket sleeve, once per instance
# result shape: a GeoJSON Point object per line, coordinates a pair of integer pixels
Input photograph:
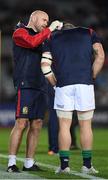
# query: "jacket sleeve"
{"type": "Point", "coordinates": [22, 38]}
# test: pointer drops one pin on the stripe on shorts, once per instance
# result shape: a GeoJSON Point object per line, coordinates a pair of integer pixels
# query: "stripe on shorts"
{"type": "Point", "coordinates": [18, 103]}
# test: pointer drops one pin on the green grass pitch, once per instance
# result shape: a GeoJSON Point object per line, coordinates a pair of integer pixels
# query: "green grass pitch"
{"type": "Point", "coordinates": [100, 155]}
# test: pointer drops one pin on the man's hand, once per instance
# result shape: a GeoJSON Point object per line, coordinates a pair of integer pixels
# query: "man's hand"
{"type": "Point", "coordinates": [55, 25]}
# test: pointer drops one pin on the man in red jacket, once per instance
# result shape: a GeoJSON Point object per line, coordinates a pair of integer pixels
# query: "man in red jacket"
{"type": "Point", "coordinates": [30, 86]}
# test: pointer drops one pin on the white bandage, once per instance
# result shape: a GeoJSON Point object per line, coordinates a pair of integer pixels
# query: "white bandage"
{"type": "Point", "coordinates": [64, 114]}
{"type": "Point", "coordinates": [47, 55]}
{"type": "Point", "coordinates": [46, 62]}
{"type": "Point", "coordinates": [46, 70]}
{"type": "Point", "coordinates": [46, 58]}
{"type": "Point", "coordinates": [88, 115]}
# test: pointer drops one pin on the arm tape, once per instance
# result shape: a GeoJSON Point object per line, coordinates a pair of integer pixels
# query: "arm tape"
{"type": "Point", "coordinates": [46, 70]}
{"type": "Point", "coordinates": [46, 60]}
{"type": "Point", "coordinates": [47, 55]}
{"type": "Point", "coordinates": [48, 74]}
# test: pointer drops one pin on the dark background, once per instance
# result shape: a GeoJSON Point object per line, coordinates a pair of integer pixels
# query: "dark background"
{"type": "Point", "coordinates": [87, 13]}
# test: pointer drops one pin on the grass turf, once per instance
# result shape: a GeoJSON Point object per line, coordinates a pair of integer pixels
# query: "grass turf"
{"type": "Point", "coordinates": [100, 154]}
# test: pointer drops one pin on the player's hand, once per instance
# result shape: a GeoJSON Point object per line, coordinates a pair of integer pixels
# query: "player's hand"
{"type": "Point", "coordinates": [55, 25]}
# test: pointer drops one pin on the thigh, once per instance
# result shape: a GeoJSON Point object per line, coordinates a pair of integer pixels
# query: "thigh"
{"type": "Point", "coordinates": [85, 115]}
{"type": "Point", "coordinates": [84, 97]}
{"type": "Point", "coordinates": [64, 98]}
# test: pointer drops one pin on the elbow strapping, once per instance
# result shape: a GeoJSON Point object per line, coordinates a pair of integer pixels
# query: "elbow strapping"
{"type": "Point", "coordinates": [46, 70]}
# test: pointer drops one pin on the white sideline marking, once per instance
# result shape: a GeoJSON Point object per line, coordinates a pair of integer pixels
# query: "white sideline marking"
{"type": "Point", "coordinates": [55, 167]}
{"type": "Point", "coordinates": [6, 175]}
{"type": "Point", "coordinates": [22, 175]}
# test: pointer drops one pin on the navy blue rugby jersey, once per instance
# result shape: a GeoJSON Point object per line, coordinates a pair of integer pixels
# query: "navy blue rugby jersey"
{"type": "Point", "coordinates": [72, 52]}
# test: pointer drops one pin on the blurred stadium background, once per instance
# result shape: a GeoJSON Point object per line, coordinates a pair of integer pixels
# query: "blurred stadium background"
{"type": "Point", "coordinates": [88, 13]}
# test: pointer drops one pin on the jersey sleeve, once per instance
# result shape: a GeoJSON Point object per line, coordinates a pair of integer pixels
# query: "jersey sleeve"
{"type": "Point", "coordinates": [22, 38]}
{"type": "Point", "coordinates": [94, 37]}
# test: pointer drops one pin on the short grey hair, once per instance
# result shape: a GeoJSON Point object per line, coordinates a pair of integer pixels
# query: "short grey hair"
{"type": "Point", "coordinates": [67, 25]}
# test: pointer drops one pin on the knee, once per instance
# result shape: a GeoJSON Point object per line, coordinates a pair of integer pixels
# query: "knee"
{"type": "Point", "coordinates": [21, 124]}
{"type": "Point", "coordinates": [85, 127]}
{"type": "Point", "coordinates": [36, 125]}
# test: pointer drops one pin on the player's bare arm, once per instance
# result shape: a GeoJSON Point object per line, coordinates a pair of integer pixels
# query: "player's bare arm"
{"type": "Point", "coordinates": [99, 57]}
{"type": "Point", "coordinates": [46, 63]}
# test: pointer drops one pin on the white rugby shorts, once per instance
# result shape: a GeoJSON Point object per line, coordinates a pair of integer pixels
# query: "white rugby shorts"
{"type": "Point", "coordinates": [78, 97]}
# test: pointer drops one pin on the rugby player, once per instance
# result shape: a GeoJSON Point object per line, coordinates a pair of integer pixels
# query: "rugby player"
{"type": "Point", "coordinates": [78, 56]}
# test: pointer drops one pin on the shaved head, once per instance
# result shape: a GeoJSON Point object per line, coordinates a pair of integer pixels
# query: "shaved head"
{"type": "Point", "coordinates": [38, 13]}
{"type": "Point", "coordinates": [38, 20]}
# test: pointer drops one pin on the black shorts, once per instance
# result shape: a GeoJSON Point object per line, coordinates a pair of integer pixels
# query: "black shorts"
{"type": "Point", "coordinates": [30, 103]}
